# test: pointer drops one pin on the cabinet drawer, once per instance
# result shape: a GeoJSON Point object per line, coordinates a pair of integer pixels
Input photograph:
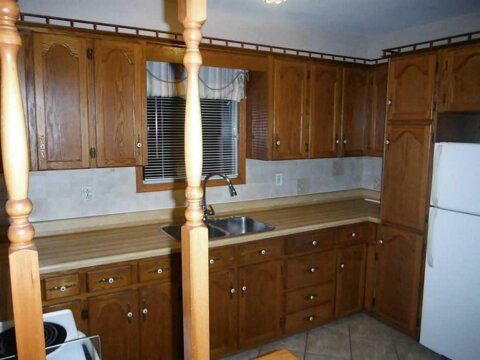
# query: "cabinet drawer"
{"type": "Point", "coordinates": [110, 278]}
{"type": "Point", "coordinates": [62, 286]}
{"type": "Point", "coordinates": [258, 251]}
{"type": "Point", "coordinates": [310, 241]}
{"type": "Point", "coordinates": [309, 318]}
{"type": "Point", "coordinates": [355, 233]}
{"type": "Point", "coordinates": [310, 269]}
{"type": "Point", "coordinates": [311, 296]}
{"type": "Point", "coordinates": [221, 258]}
{"type": "Point", "coordinates": [163, 268]}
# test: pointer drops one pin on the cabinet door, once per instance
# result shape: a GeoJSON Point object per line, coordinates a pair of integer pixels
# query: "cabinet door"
{"type": "Point", "coordinates": [378, 110]}
{"type": "Point", "coordinates": [290, 124]}
{"type": "Point", "coordinates": [260, 303]}
{"type": "Point", "coordinates": [411, 82]}
{"type": "Point", "coordinates": [161, 322]}
{"type": "Point", "coordinates": [398, 278]}
{"type": "Point", "coordinates": [115, 318]}
{"type": "Point", "coordinates": [75, 306]}
{"type": "Point", "coordinates": [61, 101]}
{"type": "Point", "coordinates": [405, 179]}
{"type": "Point", "coordinates": [350, 280]}
{"type": "Point", "coordinates": [223, 312]}
{"type": "Point", "coordinates": [355, 95]}
{"type": "Point", "coordinates": [325, 110]}
{"type": "Point", "coordinates": [460, 89]}
{"type": "Point", "coordinates": [119, 78]}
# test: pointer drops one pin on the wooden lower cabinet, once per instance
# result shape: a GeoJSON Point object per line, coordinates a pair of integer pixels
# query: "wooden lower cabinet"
{"type": "Point", "coordinates": [260, 304]}
{"type": "Point", "coordinates": [115, 318]}
{"type": "Point", "coordinates": [398, 278]}
{"type": "Point", "coordinates": [223, 312]}
{"type": "Point", "coordinates": [350, 280]}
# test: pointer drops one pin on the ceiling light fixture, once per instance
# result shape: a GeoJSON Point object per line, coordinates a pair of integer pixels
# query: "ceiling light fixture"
{"type": "Point", "coordinates": [275, 1]}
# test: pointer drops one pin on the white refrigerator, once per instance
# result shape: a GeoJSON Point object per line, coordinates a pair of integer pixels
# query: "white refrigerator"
{"type": "Point", "coordinates": [451, 299]}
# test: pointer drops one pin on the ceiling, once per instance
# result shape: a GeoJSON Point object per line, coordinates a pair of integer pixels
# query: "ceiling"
{"type": "Point", "coordinates": [360, 17]}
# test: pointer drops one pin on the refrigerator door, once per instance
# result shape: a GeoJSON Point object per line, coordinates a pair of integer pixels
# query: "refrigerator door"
{"type": "Point", "coordinates": [456, 176]}
{"type": "Point", "coordinates": [451, 298]}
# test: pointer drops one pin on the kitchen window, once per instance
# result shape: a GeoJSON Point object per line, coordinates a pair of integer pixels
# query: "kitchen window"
{"type": "Point", "coordinates": [223, 113]}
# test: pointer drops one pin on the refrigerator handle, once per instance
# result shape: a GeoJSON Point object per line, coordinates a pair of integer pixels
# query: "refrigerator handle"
{"type": "Point", "coordinates": [436, 162]}
{"type": "Point", "coordinates": [430, 237]}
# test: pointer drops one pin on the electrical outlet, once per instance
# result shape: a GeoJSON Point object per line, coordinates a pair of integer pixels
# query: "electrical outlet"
{"type": "Point", "coordinates": [87, 193]}
{"type": "Point", "coordinates": [279, 179]}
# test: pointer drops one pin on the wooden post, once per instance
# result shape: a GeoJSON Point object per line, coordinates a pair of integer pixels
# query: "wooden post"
{"type": "Point", "coordinates": [192, 14]}
{"type": "Point", "coordinates": [22, 255]}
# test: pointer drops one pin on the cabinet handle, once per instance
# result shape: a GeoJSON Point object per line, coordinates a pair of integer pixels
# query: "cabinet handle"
{"type": "Point", "coordinates": [380, 242]}
{"type": "Point", "coordinates": [61, 288]}
{"type": "Point", "coordinates": [42, 146]}
{"type": "Point", "coordinates": [337, 141]}
{"type": "Point", "coordinates": [389, 102]}
{"type": "Point", "coordinates": [310, 318]}
{"type": "Point", "coordinates": [144, 311]}
{"type": "Point", "coordinates": [311, 297]}
{"type": "Point", "coordinates": [158, 271]}
{"type": "Point", "coordinates": [342, 266]}
{"type": "Point", "coordinates": [263, 252]}
{"type": "Point", "coordinates": [344, 141]}
{"type": "Point", "coordinates": [244, 288]}
{"type": "Point", "coordinates": [314, 242]}
{"type": "Point", "coordinates": [387, 142]}
{"type": "Point", "coordinates": [354, 234]}
{"type": "Point", "coordinates": [109, 280]}
{"type": "Point", "coordinates": [211, 261]}
{"type": "Point", "coordinates": [139, 143]}
{"type": "Point", "coordinates": [130, 314]}
{"type": "Point", "coordinates": [232, 291]}
{"type": "Point", "coordinates": [312, 269]}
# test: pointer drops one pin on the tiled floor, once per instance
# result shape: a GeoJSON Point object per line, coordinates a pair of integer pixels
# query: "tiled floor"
{"type": "Point", "coordinates": [359, 337]}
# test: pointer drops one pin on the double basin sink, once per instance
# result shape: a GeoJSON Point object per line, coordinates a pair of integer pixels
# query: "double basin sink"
{"type": "Point", "coordinates": [225, 227]}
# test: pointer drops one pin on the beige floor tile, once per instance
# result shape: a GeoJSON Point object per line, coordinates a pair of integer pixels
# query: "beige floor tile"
{"type": "Point", "coordinates": [328, 341]}
{"type": "Point", "coordinates": [321, 357]}
{"type": "Point", "coordinates": [295, 343]}
{"type": "Point", "coordinates": [365, 326]}
{"type": "Point", "coordinates": [340, 325]}
{"type": "Point", "coordinates": [373, 349]}
{"type": "Point", "coordinates": [246, 355]}
{"type": "Point", "coordinates": [410, 349]}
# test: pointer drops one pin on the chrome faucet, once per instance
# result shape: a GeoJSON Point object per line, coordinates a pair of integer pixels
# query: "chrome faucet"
{"type": "Point", "coordinates": [208, 210]}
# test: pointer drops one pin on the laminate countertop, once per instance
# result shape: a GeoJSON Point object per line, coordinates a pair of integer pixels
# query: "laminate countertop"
{"type": "Point", "coordinates": [74, 251]}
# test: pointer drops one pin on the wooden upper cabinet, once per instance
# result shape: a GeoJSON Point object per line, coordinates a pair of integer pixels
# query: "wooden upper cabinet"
{"type": "Point", "coordinates": [119, 85]}
{"type": "Point", "coordinates": [411, 82]}
{"type": "Point", "coordinates": [405, 177]}
{"type": "Point", "coordinates": [290, 120]}
{"type": "Point", "coordinates": [355, 96]}
{"type": "Point", "coordinates": [61, 72]}
{"type": "Point", "coordinates": [460, 84]}
{"type": "Point", "coordinates": [378, 110]}
{"type": "Point", "coordinates": [325, 110]}
{"type": "Point", "coordinates": [398, 278]}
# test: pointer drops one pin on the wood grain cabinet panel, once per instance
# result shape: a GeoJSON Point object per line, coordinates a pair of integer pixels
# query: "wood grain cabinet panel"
{"type": "Point", "coordinates": [260, 305]}
{"type": "Point", "coordinates": [325, 110]}
{"type": "Point", "coordinates": [411, 82]}
{"type": "Point", "coordinates": [290, 120]}
{"type": "Point", "coordinates": [115, 318]}
{"type": "Point", "coordinates": [310, 269]}
{"type": "Point", "coordinates": [398, 278]}
{"type": "Point", "coordinates": [160, 321]}
{"type": "Point", "coordinates": [375, 140]}
{"type": "Point", "coordinates": [119, 78]}
{"type": "Point", "coordinates": [405, 179]}
{"type": "Point", "coordinates": [61, 72]}
{"type": "Point", "coordinates": [350, 280]}
{"type": "Point", "coordinates": [460, 85]}
{"type": "Point", "coordinates": [355, 95]}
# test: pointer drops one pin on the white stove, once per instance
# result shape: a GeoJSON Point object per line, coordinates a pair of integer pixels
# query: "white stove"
{"type": "Point", "coordinates": [76, 346]}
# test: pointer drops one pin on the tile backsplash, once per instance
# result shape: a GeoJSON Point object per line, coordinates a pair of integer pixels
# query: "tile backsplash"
{"type": "Point", "coordinates": [58, 194]}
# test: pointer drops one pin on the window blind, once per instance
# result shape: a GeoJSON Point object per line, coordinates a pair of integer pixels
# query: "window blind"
{"type": "Point", "coordinates": [165, 132]}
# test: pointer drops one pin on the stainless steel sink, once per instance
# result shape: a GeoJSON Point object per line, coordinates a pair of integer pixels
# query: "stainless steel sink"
{"type": "Point", "coordinates": [224, 227]}
{"type": "Point", "coordinates": [240, 225]}
{"type": "Point", "coordinates": [175, 231]}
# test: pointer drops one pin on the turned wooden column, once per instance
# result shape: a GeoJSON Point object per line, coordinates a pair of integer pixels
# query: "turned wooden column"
{"type": "Point", "coordinates": [192, 14]}
{"type": "Point", "coordinates": [23, 257]}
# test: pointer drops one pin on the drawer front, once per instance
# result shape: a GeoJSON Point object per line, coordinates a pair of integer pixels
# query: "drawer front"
{"type": "Point", "coordinates": [62, 286]}
{"type": "Point", "coordinates": [310, 269]}
{"type": "Point", "coordinates": [221, 258]}
{"type": "Point", "coordinates": [110, 278]}
{"type": "Point", "coordinates": [309, 318]}
{"type": "Point", "coordinates": [353, 233]}
{"type": "Point", "coordinates": [312, 296]}
{"type": "Point", "coordinates": [257, 251]}
{"type": "Point", "coordinates": [310, 241]}
{"type": "Point", "coordinates": [163, 268]}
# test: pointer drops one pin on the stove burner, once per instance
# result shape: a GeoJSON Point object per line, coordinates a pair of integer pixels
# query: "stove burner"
{"type": "Point", "coordinates": [54, 335]}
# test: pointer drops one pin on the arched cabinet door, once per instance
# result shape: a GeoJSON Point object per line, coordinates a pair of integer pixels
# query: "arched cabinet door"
{"type": "Point", "coordinates": [119, 75]}
{"type": "Point", "coordinates": [411, 82]}
{"type": "Point", "coordinates": [460, 84]}
{"type": "Point", "coordinates": [61, 72]}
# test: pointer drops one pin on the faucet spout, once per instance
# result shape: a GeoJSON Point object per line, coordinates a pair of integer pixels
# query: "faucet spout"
{"type": "Point", "coordinates": [208, 210]}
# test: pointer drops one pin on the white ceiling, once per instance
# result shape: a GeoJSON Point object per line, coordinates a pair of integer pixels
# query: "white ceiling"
{"type": "Point", "coordinates": [360, 17]}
